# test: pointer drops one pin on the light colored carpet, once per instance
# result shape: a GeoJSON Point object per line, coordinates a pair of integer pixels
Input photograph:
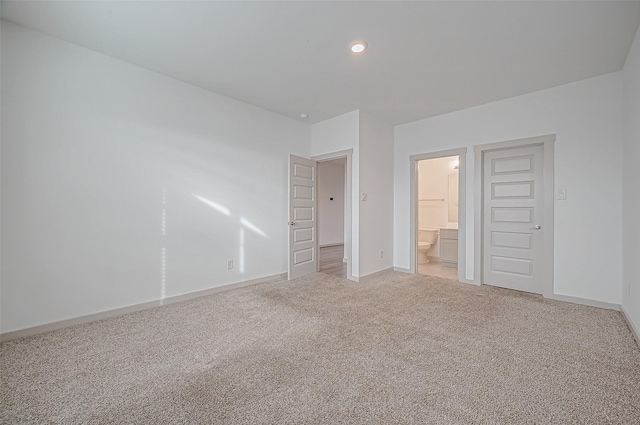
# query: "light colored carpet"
{"type": "Point", "coordinates": [394, 349]}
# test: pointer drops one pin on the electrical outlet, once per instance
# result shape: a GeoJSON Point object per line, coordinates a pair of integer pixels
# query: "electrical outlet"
{"type": "Point", "coordinates": [381, 254]}
{"type": "Point", "coordinates": [229, 264]}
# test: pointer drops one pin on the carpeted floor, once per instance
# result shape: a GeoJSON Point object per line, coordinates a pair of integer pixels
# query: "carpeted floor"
{"type": "Point", "coordinates": [394, 349]}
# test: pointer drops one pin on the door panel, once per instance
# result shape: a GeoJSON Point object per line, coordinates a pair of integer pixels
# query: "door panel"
{"type": "Point", "coordinates": [511, 215]}
{"type": "Point", "coordinates": [512, 240]}
{"type": "Point", "coordinates": [512, 190]}
{"type": "Point", "coordinates": [303, 213]}
{"type": "Point", "coordinates": [512, 210]}
{"type": "Point", "coordinates": [512, 165]}
{"type": "Point", "coordinates": [303, 256]}
{"type": "Point", "coordinates": [511, 265]}
{"type": "Point", "coordinates": [302, 235]}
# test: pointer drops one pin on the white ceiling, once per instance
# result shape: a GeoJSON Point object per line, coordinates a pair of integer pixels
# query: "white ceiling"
{"type": "Point", "coordinates": [424, 58]}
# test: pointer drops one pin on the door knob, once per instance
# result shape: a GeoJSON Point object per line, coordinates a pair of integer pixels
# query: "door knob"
{"type": "Point", "coordinates": [292, 223]}
{"type": "Point", "coordinates": [536, 227]}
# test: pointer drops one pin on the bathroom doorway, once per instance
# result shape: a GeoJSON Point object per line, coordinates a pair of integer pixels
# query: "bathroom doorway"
{"type": "Point", "coordinates": [438, 216]}
{"type": "Point", "coordinates": [438, 226]}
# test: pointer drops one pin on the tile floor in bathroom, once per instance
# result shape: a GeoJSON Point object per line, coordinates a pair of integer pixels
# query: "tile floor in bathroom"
{"type": "Point", "coordinates": [434, 268]}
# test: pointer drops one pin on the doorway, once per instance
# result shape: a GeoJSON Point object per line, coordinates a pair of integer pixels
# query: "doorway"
{"type": "Point", "coordinates": [303, 246]}
{"type": "Point", "coordinates": [350, 253]}
{"type": "Point", "coordinates": [438, 227]}
{"type": "Point", "coordinates": [332, 254]}
{"type": "Point", "coordinates": [438, 203]}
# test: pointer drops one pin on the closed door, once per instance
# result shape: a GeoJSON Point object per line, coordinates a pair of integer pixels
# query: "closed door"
{"type": "Point", "coordinates": [513, 216]}
{"type": "Point", "coordinates": [303, 258]}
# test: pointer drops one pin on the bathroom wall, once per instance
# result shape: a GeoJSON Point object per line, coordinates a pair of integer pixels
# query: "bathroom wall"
{"type": "Point", "coordinates": [331, 183]}
{"type": "Point", "coordinates": [433, 185]}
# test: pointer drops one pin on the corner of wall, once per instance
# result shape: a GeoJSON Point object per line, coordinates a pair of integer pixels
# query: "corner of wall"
{"type": "Point", "coordinates": [630, 195]}
{"type": "Point", "coordinates": [376, 181]}
{"type": "Point", "coordinates": [0, 169]}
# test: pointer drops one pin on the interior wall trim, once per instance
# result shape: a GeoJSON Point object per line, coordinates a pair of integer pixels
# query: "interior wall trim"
{"type": "Point", "coordinates": [379, 272]}
{"type": "Point", "coordinates": [583, 301]}
{"type": "Point", "coordinates": [8, 336]}
{"type": "Point", "coordinates": [328, 245]}
{"type": "Point", "coordinates": [634, 330]}
{"type": "Point", "coordinates": [402, 270]}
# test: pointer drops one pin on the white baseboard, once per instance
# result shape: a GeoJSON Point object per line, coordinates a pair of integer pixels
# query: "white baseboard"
{"type": "Point", "coordinates": [7, 336]}
{"type": "Point", "coordinates": [402, 270]}
{"type": "Point", "coordinates": [331, 244]}
{"type": "Point", "coordinates": [379, 272]}
{"type": "Point", "coordinates": [635, 331]}
{"type": "Point", "coordinates": [584, 301]}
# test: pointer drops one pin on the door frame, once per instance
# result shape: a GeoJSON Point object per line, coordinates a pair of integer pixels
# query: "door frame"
{"type": "Point", "coordinates": [462, 208]}
{"type": "Point", "coordinates": [348, 190]}
{"type": "Point", "coordinates": [547, 142]}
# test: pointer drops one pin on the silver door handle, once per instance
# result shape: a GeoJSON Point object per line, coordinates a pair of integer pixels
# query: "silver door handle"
{"type": "Point", "coordinates": [292, 223]}
{"type": "Point", "coordinates": [536, 227]}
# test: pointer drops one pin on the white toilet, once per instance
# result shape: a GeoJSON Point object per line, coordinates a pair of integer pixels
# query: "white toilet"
{"type": "Point", "coordinates": [426, 239]}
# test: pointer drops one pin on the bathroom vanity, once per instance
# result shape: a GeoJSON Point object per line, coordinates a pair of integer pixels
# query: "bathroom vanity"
{"type": "Point", "coordinates": [449, 247]}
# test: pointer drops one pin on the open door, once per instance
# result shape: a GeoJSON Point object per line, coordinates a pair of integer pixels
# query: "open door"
{"type": "Point", "coordinates": [303, 203]}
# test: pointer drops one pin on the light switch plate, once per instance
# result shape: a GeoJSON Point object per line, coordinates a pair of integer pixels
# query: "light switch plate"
{"type": "Point", "coordinates": [363, 196]}
{"type": "Point", "coordinates": [562, 195]}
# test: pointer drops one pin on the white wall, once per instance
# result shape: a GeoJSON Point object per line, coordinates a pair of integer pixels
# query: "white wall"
{"type": "Point", "coordinates": [331, 187]}
{"type": "Point", "coordinates": [372, 172]}
{"type": "Point", "coordinates": [376, 180]}
{"type": "Point", "coordinates": [630, 190]}
{"type": "Point", "coordinates": [334, 135]}
{"type": "Point", "coordinates": [0, 170]}
{"type": "Point", "coordinates": [105, 165]}
{"type": "Point", "coordinates": [433, 183]}
{"type": "Point", "coordinates": [586, 116]}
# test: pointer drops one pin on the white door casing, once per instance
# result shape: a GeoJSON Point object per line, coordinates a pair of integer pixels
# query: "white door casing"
{"type": "Point", "coordinates": [462, 211]}
{"type": "Point", "coordinates": [513, 218]}
{"type": "Point", "coordinates": [303, 203]}
{"type": "Point", "coordinates": [351, 254]}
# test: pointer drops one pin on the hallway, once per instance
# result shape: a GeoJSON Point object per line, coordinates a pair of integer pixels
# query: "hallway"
{"type": "Point", "coordinates": [331, 261]}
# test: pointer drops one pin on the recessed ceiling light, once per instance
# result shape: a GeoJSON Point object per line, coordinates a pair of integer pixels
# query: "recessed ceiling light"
{"type": "Point", "coordinates": [358, 47]}
{"type": "Point", "coordinates": [304, 115]}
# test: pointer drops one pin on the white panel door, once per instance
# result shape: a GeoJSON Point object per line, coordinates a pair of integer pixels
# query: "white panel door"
{"type": "Point", "coordinates": [303, 258]}
{"type": "Point", "coordinates": [513, 215]}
